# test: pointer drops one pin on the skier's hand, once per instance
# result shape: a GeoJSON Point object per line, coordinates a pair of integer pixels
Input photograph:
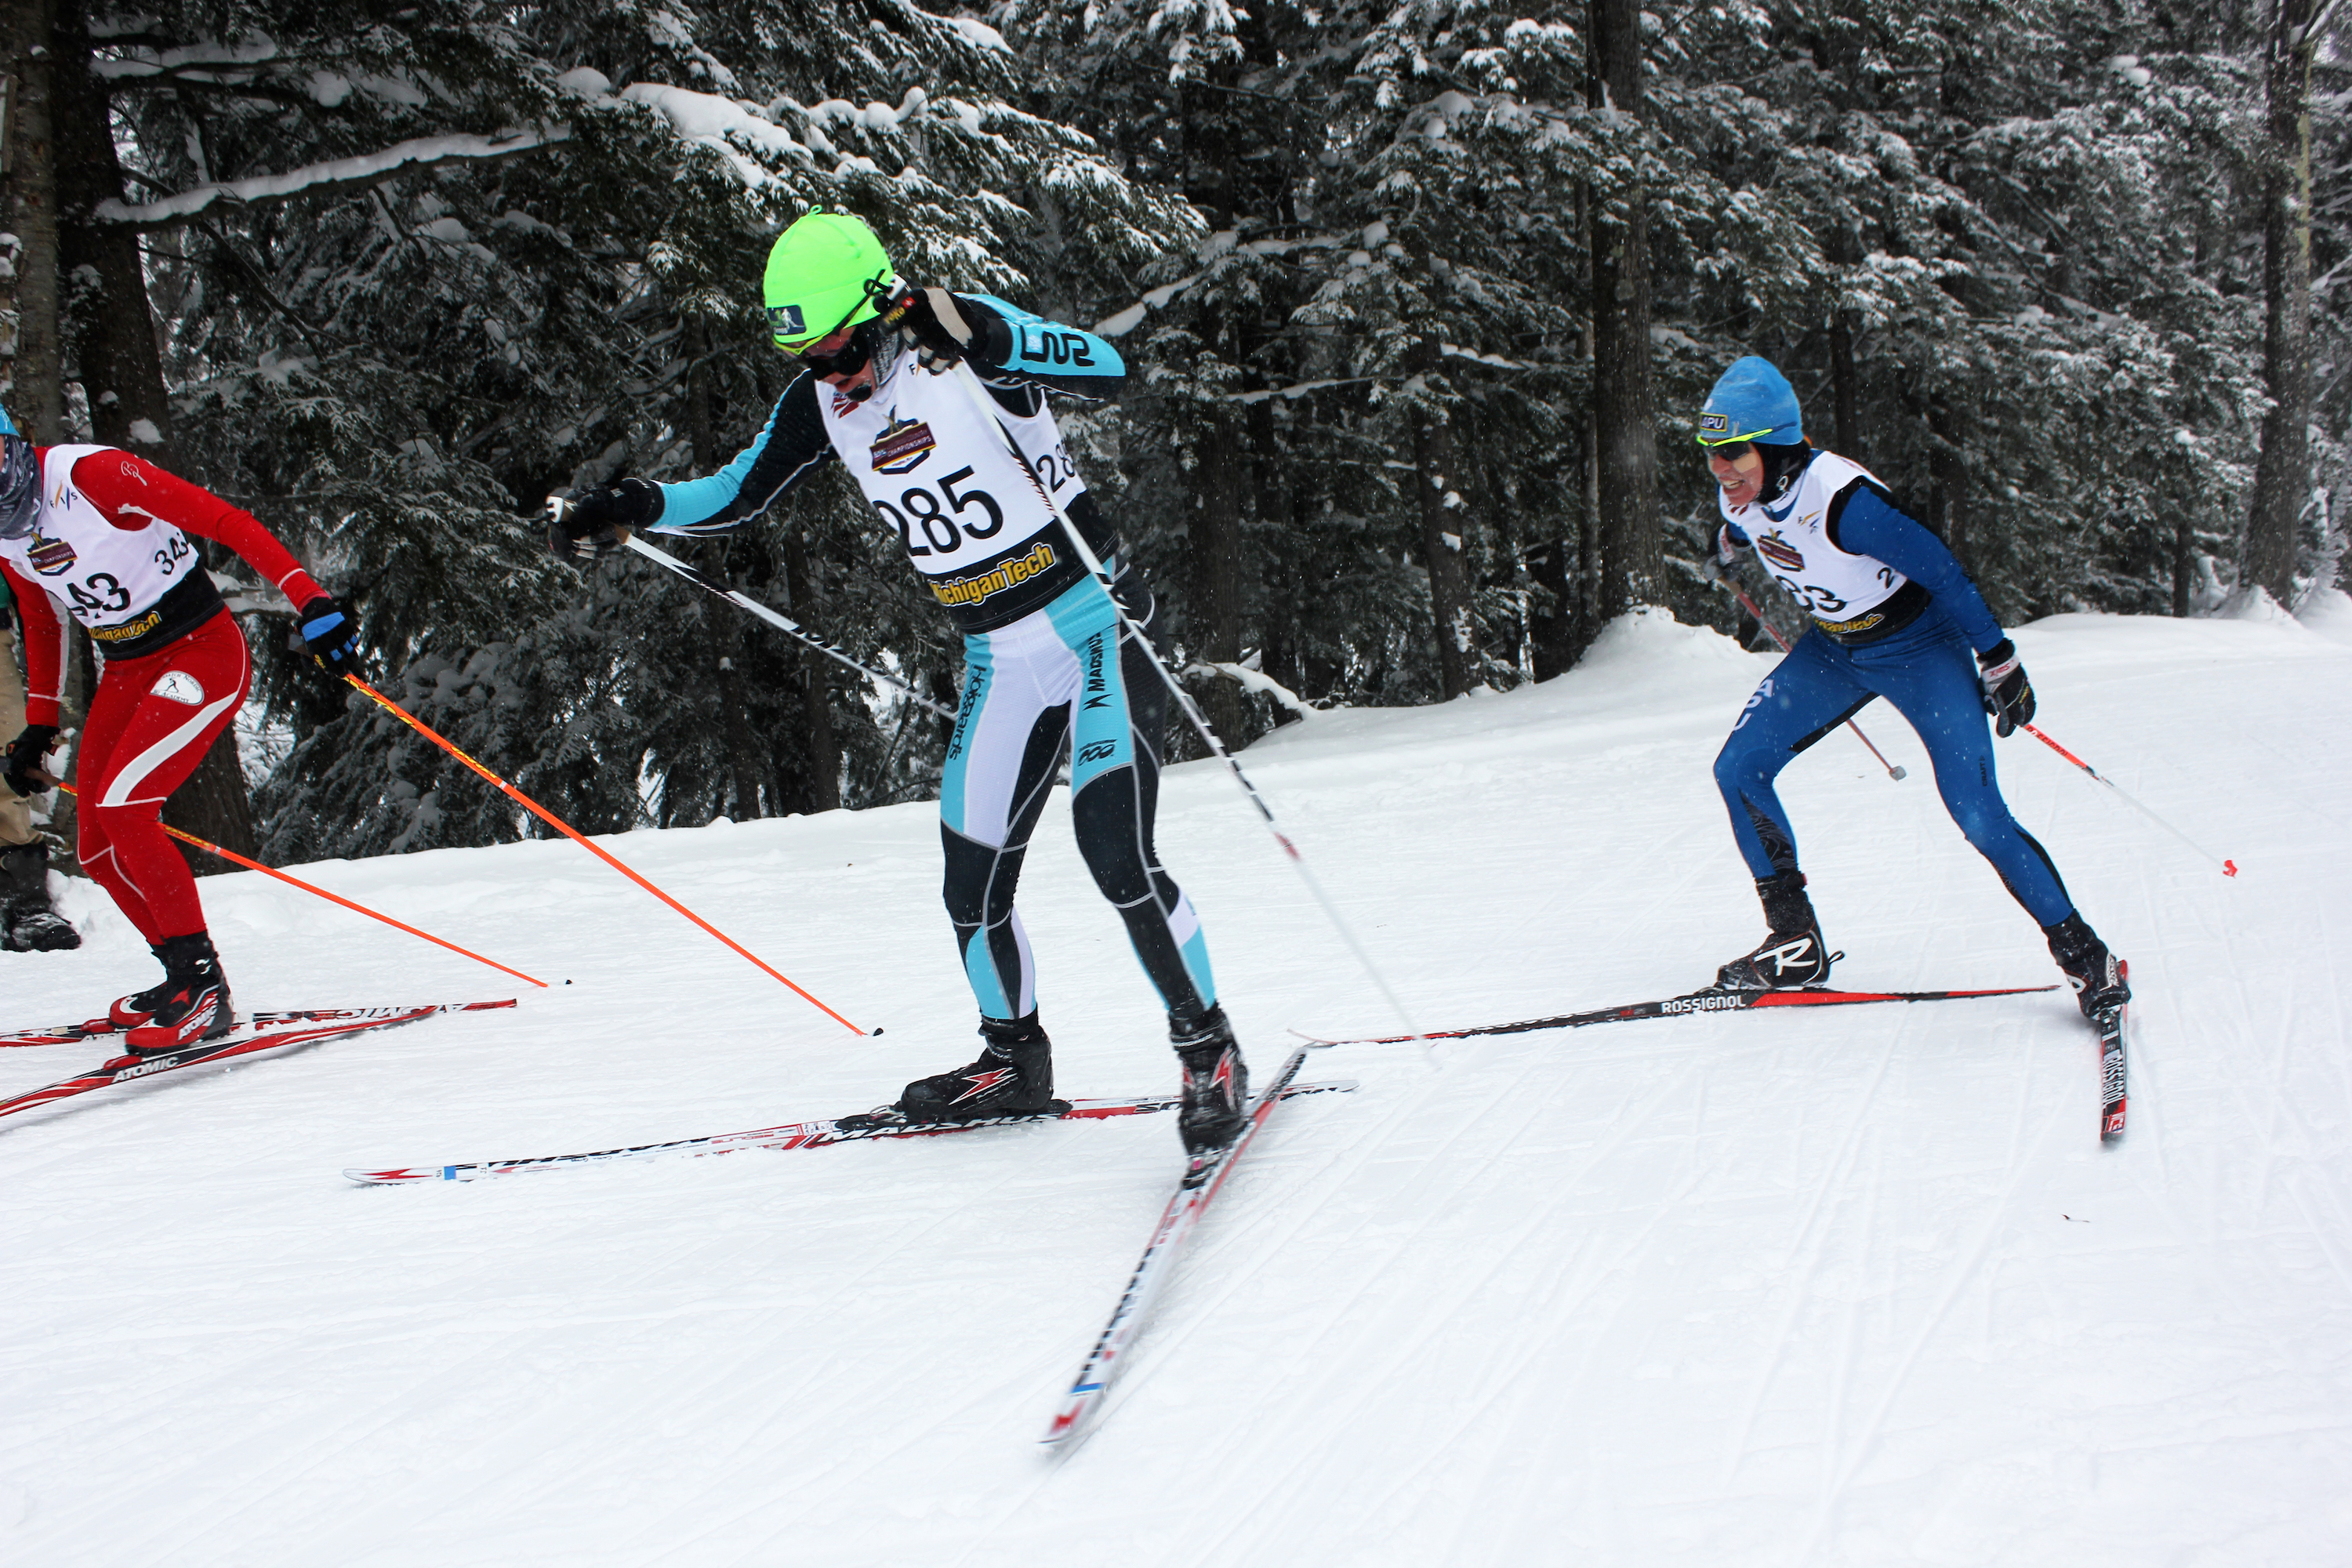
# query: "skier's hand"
{"type": "Point", "coordinates": [25, 755]}
{"type": "Point", "coordinates": [1717, 563]}
{"type": "Point", "coordinates": [328, 632]}
{"type": "Point", "coordinates": [594, 523]}
{"type": "Point", "coordinates": [2008, 695]}
{"type": "Point", "coordinates": [935, 328]}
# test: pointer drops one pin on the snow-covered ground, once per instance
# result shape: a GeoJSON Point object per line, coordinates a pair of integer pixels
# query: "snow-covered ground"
{"type": "Point", "coordinates": [1850, 1288]}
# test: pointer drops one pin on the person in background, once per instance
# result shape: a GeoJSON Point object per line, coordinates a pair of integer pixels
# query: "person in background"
{"type": "Point", "coordinates": [103, 535]}
{"type": "Point", "coordinates": [1894, 617]}
{"type": "Point", "coordinates": [27, 923]}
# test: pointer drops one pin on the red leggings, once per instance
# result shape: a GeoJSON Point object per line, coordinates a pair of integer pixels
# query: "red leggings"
{"type": "Point", "coordinates": [151, 722]}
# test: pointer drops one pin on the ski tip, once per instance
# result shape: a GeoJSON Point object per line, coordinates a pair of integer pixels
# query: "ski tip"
{"type": "Point", "coordinates": [2228, 867]}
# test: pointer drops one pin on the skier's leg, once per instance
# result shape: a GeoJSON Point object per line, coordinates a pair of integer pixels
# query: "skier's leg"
{"type": "Point", "coordinates": [1121, 713]}
{"type": "Point", "coordinates": [1809, 692]}
{"type": "Point", "coordinates": [1937, 691]}
{"type": "Point", "coordinates": [999, 769]}
{"type": "Point", "coordinates": [1935, 687]}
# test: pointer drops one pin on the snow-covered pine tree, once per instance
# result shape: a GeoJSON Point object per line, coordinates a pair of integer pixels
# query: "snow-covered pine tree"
{"type": "Point", "coordinates": [420, 270]}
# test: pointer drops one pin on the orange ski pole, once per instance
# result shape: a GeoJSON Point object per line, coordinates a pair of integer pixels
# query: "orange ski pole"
{"type": "Point", "coordinates": [232, 855]}
{"type": "Point", "coordinates": [565, 828]}
{"type": "Point", "coordinates": [2228, 867]}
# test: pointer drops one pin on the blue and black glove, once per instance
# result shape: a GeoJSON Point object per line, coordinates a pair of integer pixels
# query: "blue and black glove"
{"type": "Point", "coordinates": [329, 634]}
{"type": "Point", "coordinates": [27, 755]}
{"type": "Point", "coordinates": [2008, 695]}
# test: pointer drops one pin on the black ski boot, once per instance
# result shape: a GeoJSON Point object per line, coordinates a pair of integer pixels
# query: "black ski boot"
{"type": "Point", "coordinates": [195, 1004]}
{"type": "Point", "coordinates": [28, 925]}
{"type": "Point", "coordinates": [1794, 954]}
{"type": "Point", "coordinates": [1014, 1077]}
{"type": "Point", "coordinates": [1216, 1082]}
{"type": "Point", "coordinates": [2096, 975]}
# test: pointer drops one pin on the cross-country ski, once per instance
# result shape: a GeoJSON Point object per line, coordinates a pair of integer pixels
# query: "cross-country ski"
{"type": "Point", "coordinates": [1690, 1005]}
{"type": "Point", "coordinates": [799, 1135]}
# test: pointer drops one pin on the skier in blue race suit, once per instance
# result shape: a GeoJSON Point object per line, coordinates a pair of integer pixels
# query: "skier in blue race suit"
{"type": "Point", "coordinates": [1894, 617]}
{"type": "Point", "coordinates": [1048, 673]}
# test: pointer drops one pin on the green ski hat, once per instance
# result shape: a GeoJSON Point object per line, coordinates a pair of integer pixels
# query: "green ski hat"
{"type": "Point", "coordinates": [817, 277]}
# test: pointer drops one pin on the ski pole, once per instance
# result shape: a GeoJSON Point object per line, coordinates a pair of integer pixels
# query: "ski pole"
{"type": "Point", "coordinates": [231, 855]}
{"type": "Point", "coordinates": [2228, 867]}
{"type": "Point", "coordinates": [1191, 710]}
{"type": "Point", "coordinates": [565, 828]}
{"type": "Point", "coordinates": [1893, 771]}
{"type": "Point", "coordinates": [784, 623]}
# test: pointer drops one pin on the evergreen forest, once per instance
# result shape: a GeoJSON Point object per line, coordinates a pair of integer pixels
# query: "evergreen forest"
{"type": "Point", "coordinates": [1420, 302]}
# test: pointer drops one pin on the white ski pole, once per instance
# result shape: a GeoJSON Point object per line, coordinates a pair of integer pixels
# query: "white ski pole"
{"type": "Point", "coordinates": [1093, 563]}
{"type": "Point", "coordinates": [792, 628]}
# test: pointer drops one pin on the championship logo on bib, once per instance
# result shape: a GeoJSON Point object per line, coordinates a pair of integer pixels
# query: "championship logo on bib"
{"type": "Point", "coordinates": [49, 556]}
{"type": "Point", "coordinates": [902, 446]}
{"type": "Point", "coordinates": [1780, 552]}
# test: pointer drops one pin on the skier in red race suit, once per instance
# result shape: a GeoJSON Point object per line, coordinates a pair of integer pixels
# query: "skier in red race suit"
{"type": "Point", "coordinates": [105, 534]}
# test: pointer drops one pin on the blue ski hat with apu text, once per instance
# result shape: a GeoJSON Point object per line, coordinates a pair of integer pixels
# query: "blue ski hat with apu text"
{"type": "Point", "coordinates": [1752, 401]}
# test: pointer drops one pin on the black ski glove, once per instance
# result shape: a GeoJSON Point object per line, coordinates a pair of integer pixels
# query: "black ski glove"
{"type": "Point", "coordinates": [27, 754]}
{"type": "Point", "coordinates": [2008, 695]}
{"type": "Point", "coordinates": [330, 636]}
{"type": "Point", "coordinates": [936, 328]}
{"type": "Point", "coordinates": [590, 525]}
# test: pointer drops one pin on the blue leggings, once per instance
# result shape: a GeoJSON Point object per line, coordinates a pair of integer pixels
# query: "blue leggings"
{"type": "Point", "coordinates": [1925, 672]}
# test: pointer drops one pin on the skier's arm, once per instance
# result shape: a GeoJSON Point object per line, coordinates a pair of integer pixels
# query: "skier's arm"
{"type": "Point", "coordinates": [1863, 521]}
{"type": "Point", "coordinates": [132, 492]}
{"type": "Point", "coordinates": [45, 649]}
{"type": "Point", "coordinates": [1014, 351]}
{"type": "Point", "coordinates": [790, 448]}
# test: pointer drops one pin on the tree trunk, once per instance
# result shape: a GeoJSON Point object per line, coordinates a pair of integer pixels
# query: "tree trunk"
{"type": "Point", "coordinates": [1552, 627]}
{"type": "Point", "coordinates": [1632, 550]}
{"type": "Point", "coordinates": [1947, 481]}
{"type": "Point", "coordinates": [2283, 473]}
{"type": "Point", "coordinates": [32, 381]}
{"type": "Point", "coordinates": [1844, 390]}
{"type": "Point", "coordinates": [2184, 539]}
{"type": "Point", "coordinates": [1444, 527]}
{"type": "Point", "coordinates": [109, 322]}
{"type": "Point", "coordinates": [1214, 615]}
{"type": "Point", "coordinates": [822, 792]}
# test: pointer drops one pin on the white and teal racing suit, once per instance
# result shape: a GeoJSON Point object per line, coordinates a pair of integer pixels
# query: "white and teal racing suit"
{"type": "Point", "coordinates": [1045, 667]}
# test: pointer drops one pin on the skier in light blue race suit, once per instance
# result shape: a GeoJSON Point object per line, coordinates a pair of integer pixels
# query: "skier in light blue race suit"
{"type": "Point", "coordinates": [1894, 617]}
{"type": "Point", "coordinates": [1047, 672]}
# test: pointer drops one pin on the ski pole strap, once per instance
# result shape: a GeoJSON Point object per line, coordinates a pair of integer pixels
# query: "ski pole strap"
{"type": "Point", "coordinates": [784, 623]}
{"type": "Point", "coordinates": [414, 722]}
{"type": "Point", "coordinates": [232, 856]}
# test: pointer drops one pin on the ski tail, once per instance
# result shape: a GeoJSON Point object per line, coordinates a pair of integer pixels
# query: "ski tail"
{"type": "Point", "coordinates": [2113, 1026]}
{"type": "Point", "coordinates": [124, 1069]}
{"type": "Point", "coordinates": [1203, 1176]}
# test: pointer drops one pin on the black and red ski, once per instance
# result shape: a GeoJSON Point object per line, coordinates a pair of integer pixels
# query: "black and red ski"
{"type": "Point", "coordinates": [100, 1029]}
{"type": "Point", "coordinates": [1707, 1001]}
{"type": "Point", "coordinates": [2110, 1023]}
{"type": "Point", "coordinates": [124, 1069]}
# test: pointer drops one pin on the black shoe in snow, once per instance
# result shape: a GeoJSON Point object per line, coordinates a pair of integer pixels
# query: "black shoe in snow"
{"type": "Point", "coordinates": [2095, 975]}
{"type": "Point", "coordinates": [195, 1004]}
{"type": "Point", "coordinates": [1014, 1077]}
{"type": "Point", "coordinates": [28, 925]}
{"type": "Point", "coordinates": [1216, 1081]}
{"type": "Point", "coordinates": [1794, 954]}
